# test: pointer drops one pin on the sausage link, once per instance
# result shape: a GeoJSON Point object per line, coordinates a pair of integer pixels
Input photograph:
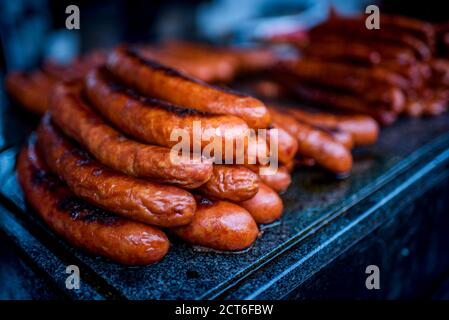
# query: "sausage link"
{"type": "Point", "coordinates": [141, 117]}
{"type": "Point", "coordinates": [167, 84]}
{"type": "Point", "coordinates": [130, 197]}
{"type": "Point", "coordinates": [231, 182]}
{"type": "Point", "coordinates": [110, 147]}
{"type": "Point", "coordinates": [83, 225]}
{"type": "Point", "coordinates": [316, 144]}
{"type": "Point", "coordinates": [266, 206]}
{"type": "Point", "coordinates": [364, 129]}
{"type": "Point", "coordinates": [219, 225]}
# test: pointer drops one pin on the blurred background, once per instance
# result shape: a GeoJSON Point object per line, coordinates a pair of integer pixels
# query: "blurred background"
{"type": "Point", "coordinates": [33, 30]}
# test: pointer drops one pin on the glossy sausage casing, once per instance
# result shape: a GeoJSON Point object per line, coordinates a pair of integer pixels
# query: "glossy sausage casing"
{"type": "Point", "coordinates": [83, 225]}
{"type": "Point", "coordinates": [219, 225]}
{"type": "Point", "coordinates": [167, 84]}
{"type": "Point", "coordinates": [266, 206]}
{"type": "Point", "coordinates": [231, 182]}
{"type": "Point", "coordinates": [127, 196]}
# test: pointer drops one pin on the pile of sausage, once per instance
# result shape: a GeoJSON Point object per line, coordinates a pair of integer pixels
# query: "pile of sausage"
{"type": "Point", "coordinates": [397, 69]}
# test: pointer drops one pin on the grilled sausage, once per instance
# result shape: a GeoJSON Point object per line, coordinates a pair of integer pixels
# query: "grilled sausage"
{"type": "Point", "coordinates": [130, 197]}
{"type": "Point", "coordinates": [316, 144]}
{"type": "Point", "coordinates": [231, 182]}
{"type": "Point", "coordinates": [141, 117]}
{"type": "Point", "coordinates": [167, 84]}
{"type": "Point", "coordinates": [344, 102]}
{"type": "Point", "coordinates": [110, 147]}
{"type": "Point", "coordinates": [266, 206]}
{"type": "Point", "coordinates": [203, 65]}
{"type": "Point", "coordinates": [219, 225]}
{"type": "Point", "coordinates": [83, 225]}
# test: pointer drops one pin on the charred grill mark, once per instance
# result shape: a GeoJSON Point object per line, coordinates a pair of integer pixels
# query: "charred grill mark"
{"type": "Point", "coordinates": [44, 179]}
{"type": "Point", "coordinates": [174, 73]}
{"type": "Point", "coordinates": [119, 88]}
{"type": "Point", "coordinates": [80, 210]}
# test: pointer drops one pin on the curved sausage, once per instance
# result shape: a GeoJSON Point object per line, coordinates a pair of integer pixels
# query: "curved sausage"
{"type": "Point", "coordinates": [83, 225]}
{"type": "Point", "coordinates": [130, 197]}
{"type": "Point", "coordinates": [219, 225]}
{"type": "Point", "coordinates": [167, 84]}
{"type": "Point", "coordinates": [110, 147]}
{"type": "Point", "coordinates": [266, 206]}
{"type": "Point", "coordinates": [154, 121]}
{"type": "Point", "coordinates": [316, 144]}
{"type": "Point", "coordinates": [231, 182]}
{"type": "Point", "coordinates": [364, 129]}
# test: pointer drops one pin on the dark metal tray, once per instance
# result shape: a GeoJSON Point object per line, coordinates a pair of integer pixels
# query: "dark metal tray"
{"type": "Point", "coordinates": [323, 216]}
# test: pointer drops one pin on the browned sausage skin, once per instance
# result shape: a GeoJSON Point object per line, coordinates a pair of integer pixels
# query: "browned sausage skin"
{"type": "Point", "coordinates": [83, 225]}
{"type": "Point", "coordinates": [266, 206]}
{"type": "Point", "coordinates": [110, 147]}
{"type": "Point", "coordinates": [363, 129]}
{"type": "Point", "coordinates": [167, 84]}
{"type": "Point", "coordinates": [130, 197]}
{"type": "Point", "coordinates": [231, 182]}
{"type": "Point", "coordinates": [316, 144]}
{"type": "Point", "coordinates": [219, 225]}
